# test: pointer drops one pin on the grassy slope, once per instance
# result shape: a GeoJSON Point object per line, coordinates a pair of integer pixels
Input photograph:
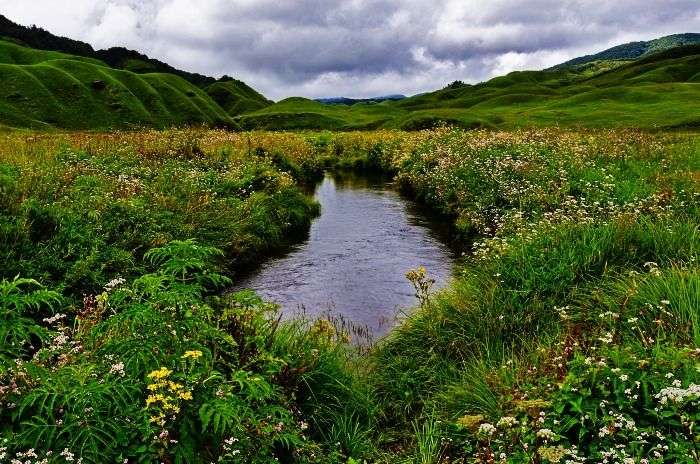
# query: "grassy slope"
{"type": "Point", "coordinates": [635, 50]}
{"type": "Point", "coordinates": [41, 89]}
{"type": "Point", "coordinates": [236, 97]}
{"type": "Point", "coordinates": [661, 90]}
{"type": "Point", "coordinates": [301, 113]}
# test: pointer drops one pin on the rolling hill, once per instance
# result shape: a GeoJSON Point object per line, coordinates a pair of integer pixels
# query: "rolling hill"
{"type": "Point", "coordinates": [657, 90]}
{"type": "Point", "coordinates": [43, 89]}
{"type": "Point", "coordinates": [63, 83]}
{"type": "Point", "coordinates": [116, 57]}
{"type": "Point", "coordinates": [236, 97]}
{"type": "Point", "coordinates": [40, 45]}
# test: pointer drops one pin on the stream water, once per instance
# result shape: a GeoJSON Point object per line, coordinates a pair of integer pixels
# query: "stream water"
{"type": "Point", "coordinates": [354, 262]}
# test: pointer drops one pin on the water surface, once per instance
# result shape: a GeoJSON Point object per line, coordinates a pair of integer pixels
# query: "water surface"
{"type": "Point", "coordinates": [354, 262]}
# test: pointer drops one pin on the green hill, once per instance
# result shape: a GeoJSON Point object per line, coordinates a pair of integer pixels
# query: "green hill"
{"type": "Point", "coordinates": [301, 113]}
{"type": "Point", "coordinates": [115, 57]}
{"type": "Point", "coordinates": [635, 50]}
{"type": "Point", "coordinates": [653, 84]}
{"type": "Point", "coordinates": [660, 89]}
{"type": "Point", "coordinates": [42, 89]}
{"type": "Point", "coordinates": [236, 97]}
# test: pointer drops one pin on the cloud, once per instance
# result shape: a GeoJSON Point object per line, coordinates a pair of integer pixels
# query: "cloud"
{"type": "Point", "coordinates": [359, 47]}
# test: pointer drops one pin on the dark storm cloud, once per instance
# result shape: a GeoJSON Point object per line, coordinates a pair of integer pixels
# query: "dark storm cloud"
{"type": "Point", "coordinates": [359, 47]}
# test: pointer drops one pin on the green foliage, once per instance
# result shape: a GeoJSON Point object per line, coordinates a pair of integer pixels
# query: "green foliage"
{"type": "Point", "coordinates": [161, 375]}
{"type": "Point", "coordinates": [573, 321]}
{"type": "Point", "coordinates": [21, 304]}
{"type": "Point", "coordinates": [428, 446]}
{"type": "Point", "coordinates": [102, 211]}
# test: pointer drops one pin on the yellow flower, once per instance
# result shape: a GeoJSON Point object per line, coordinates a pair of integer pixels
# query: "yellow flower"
{"type": "Point", "coordinates": [186, 395]}
{"type": "Point", "coordinates": [154, 399]}
{"type": "Point", "coordinates": [174, 386]}
{"type": "Point", "coordinates": [194, 354]}
{"type": "Point", "coordinates": [160, 373]}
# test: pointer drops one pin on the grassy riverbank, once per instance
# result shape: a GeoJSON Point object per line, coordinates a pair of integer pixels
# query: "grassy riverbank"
{"type": "Point", "coordinates": [571, 333]}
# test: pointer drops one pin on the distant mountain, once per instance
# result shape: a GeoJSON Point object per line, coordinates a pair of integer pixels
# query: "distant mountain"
{"type": "Point", "coordinates": [352, 101]}
{"type": "Point", "coordinates": [634, 50]}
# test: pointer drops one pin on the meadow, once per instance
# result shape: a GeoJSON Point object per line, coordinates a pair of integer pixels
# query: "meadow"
{"type": "Point", "coordinates": [570, 333]}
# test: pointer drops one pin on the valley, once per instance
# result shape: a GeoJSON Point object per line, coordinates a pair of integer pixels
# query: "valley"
{"type": "Point", "coordinates": [494, 272]}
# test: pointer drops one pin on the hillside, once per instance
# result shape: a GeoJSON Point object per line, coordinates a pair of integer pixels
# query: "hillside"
{"type": "Point", "coordinates": [42, 89]}
{"type": "Point", "coordinates": [634, 50]}
{"type": "Point", "coordinates": [658, 90]}
{"type": "Point", "coordinates": [302, 113]}
{"type": "Point", "coordinates": [116, 57]}
{"type": "Point", "coordinates": [651, 84]}
{"type": "Point", "coordinates": [236, 97]}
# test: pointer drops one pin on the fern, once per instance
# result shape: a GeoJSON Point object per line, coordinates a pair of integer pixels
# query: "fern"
{"type": "Point", "coordinates": [75, 408]}
{"type": "Point", "coordinates": [18, 298]}
{"type": "Point", "coordinates": [187, 261]}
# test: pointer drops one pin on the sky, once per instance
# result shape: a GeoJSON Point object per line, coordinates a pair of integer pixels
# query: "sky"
{"type": "Point", "coordinates": [358, 48]}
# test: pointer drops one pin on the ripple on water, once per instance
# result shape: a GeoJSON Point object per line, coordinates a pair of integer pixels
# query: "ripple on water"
{"type": "Point", "coordinates": [357, 253]}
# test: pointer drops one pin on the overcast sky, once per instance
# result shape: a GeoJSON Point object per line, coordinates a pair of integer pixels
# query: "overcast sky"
{"type": "Point", "coordinates": [358, 48]}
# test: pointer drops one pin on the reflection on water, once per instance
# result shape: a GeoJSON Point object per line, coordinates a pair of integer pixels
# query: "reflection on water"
{"type": "Point", "coordinates": [356, 256]}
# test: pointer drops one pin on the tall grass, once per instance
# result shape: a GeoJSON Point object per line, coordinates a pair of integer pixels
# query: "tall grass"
{"type": "Point", "coordinates": [580, 290]}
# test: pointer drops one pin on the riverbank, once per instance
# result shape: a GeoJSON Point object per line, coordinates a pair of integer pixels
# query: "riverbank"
{"type": "Point", "coordinates": [571, 332]}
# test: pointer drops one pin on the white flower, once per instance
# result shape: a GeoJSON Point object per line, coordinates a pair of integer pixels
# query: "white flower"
{"type": "Point", "coordinates": [487, 429]}
{"type": "Point", "coordinates": [54, 319]}
{"type": "Point", "coordinates": [678, 395]}
{"type": "Point", "coordinates": [117, 369]}
{"type": "Point", "coordinates": [114, 283]}
{"type": "Point", "coordinates": [507, 422]}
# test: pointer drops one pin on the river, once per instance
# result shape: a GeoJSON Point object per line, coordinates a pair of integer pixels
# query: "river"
{"type": "Point", "coordinates": [354, 261]}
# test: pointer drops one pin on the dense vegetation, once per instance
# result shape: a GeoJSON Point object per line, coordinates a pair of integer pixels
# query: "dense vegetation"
{"type": "Point", "coordinates": [570, 333]}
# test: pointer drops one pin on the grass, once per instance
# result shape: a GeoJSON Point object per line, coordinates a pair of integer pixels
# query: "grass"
{"type": "Point", "coordinates": [48, 90]}
{"type": "Point", "coordinates": [570, 331]}
{"type": "Point", "coordinates": [141, 190]}
{"type": "Point", "coordinates": [44, 90]}
{"type": "Point", "coordinates": [657, 91]}
{"type": "Point", "coordinates": [236, 97]}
